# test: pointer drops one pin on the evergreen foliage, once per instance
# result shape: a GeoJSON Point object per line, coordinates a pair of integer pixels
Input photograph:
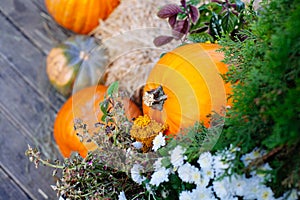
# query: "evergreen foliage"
{"type": "Point", "coordinates": [265, 72]}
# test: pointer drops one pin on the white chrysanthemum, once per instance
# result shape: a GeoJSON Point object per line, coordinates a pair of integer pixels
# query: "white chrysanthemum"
{"type": "Point", "coordinates": [262, 172]}
{"type": "Point", "coordinates": [253, 185]}
{"type": "Point", "coordinates": [247, 158]}
{"type": "Point", "coordinates": [122, 196]}
{"type": "Point", "coordinates": [157, 164]}
{"type": "Point", "coordinates": [185, 172]}
{"type": "Point", "coordinates": [223, 188]}
{"type": "Point", "coordinates": [239, 184]}
{"type": "Point", "coordinates": [177, 156]}
{"type": "Point", "coordinates": [205, 160]}
{"type": "Point", "coordinates": [265, 193]}
{"type": "Point", "coordinates": [160, 176]}
{"type": "Point", "coordinates": [185, 195]}
{"type": "Point", "coordinates": [136, 174]}
{"type": "Point", "coordinates": [202, 193]}
{"type": "Point", "coordinates": [204, 181]}
{"type": "Point", "coordinates": [195, 175]}
{"type": "Point", "coordinates": [219, 165]}
{"type": "Point", "coordinates": [206, 174]}
{"type": "Point", "coordinates": [158, 141]}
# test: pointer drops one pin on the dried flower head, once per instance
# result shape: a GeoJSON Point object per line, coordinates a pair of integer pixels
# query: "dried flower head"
{"type": "Point", "coordinates": [144, 130]}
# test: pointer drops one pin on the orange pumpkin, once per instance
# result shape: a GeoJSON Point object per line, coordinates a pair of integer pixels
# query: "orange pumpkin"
{"type": "Point", "coordinates": [185, 86]}
{"type": "Point", "coordinates": [80, 16]}
{"type": "Point", "coordinates": [83, 105]}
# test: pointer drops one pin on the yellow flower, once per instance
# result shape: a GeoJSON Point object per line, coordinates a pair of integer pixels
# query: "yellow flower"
{"type": "Point", "coordinates": [144, 130]}
{"type": "Point", "coordinates": [142, 121]}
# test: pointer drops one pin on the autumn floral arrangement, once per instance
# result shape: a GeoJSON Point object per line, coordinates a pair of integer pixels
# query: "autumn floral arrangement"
{"type": "Point", "coordinates": [252, 152]}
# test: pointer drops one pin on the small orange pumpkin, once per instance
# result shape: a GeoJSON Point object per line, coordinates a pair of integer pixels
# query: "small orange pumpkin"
{"type": "Point", "coordinates": [80, 16]}
{"type": "Point", "coordinates": [83, 105]}
{"type": "Point", "coordinates": [185, 86]}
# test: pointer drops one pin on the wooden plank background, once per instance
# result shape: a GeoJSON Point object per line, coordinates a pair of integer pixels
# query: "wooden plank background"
{"type": "Point", "coordinates": [28, 103]}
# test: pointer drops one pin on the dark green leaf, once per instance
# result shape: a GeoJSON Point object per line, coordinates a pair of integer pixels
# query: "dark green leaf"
{"type": "Point", "coordinates": [113, 88]}
{"type": "Point", "coordinates": [212, 7]}
{"type": "Point", "coordinates": [175, 181]}
{"type": "Point", "coordinates": [215, 26]}
{"type": "Point", "coordinates": [193, 2]}
{"type": "Point", "coordinates": [104, 106]}
{"type": "Point", "coordinates": [200, 37]}
{"type": "Point", "coordinates": [229, 21]}
{"type": "Point", "coordinates": [161, 55]}
{"type": "Point", "coordinates": [103, 118]}
{"type": "Point", "coordinates": [239, 5]}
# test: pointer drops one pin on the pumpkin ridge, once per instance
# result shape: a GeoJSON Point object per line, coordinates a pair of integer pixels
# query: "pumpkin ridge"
{"type": "Point", "coordinates": [65, 11]}
{"type": "Point", "coordinates": [80, 22]}
{"type": "Point", "coordinates": [88, 22]}
{"type": "Point", "coordinates": [173, 94]}
{"type": "Point", "coordinates": [195, 79]}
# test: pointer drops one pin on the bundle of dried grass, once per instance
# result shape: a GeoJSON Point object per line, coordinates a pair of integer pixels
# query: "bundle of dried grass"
{"type": "Point", "coordinates": [128, 35]}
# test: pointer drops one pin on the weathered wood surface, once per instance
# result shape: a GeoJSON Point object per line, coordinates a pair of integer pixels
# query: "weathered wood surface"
{"type": "Point", "coordinates": [10, 190]}
{"type": "Point", "coordinates": [28, 103]}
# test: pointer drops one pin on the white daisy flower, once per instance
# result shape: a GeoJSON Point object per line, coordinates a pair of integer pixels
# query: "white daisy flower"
{"type": "Point", "coordinates": [185, 173]}
{"type": "Point", "coordinates": [195, 175]}
{"type": "Point", "coordinates": [162, 175]}
{"type": "Point", "coordinates": [265, 193]}
{"type": "Point", "coordinates": [185, 195]}
{"type": "Point", "coordinates": [202, 193]}
{"type": "Point", "coordinates": [239, 184]}
{"type": "Point", "coordinates": [136, 174]}
{"type": "Point", "coordinates": [158, 141]}
{"type": "Point", "coordinates": [206, 175]}
{"type": "Point", "coordinates": [253, 185]}
{"type": "Point", "coordinates": [122, 196]}
{"type": "Point", "coordinates": [205, 160]}
{"type": "Point", "coordinates": [219, 165]}
{"type": "Point", "coordinates": [177, 156]}
{"type": "Point", "coordinates": [223, 188]}
{"type": "Point", "coordinates": [247, 158]}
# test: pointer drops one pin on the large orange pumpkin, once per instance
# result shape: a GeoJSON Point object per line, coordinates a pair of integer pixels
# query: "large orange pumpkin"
{"type": "Point", "coordinates": [80, 16]}
{"type": "Point", "coordinates": [83, 105]}
{"type": "Point", "coordinates": [185, 86]}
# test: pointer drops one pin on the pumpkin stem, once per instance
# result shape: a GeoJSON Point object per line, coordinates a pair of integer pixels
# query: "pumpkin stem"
{"type": "Point", "coordinates": [83, 56]}
{"type": "Point", "coordinates": [155, 98]}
